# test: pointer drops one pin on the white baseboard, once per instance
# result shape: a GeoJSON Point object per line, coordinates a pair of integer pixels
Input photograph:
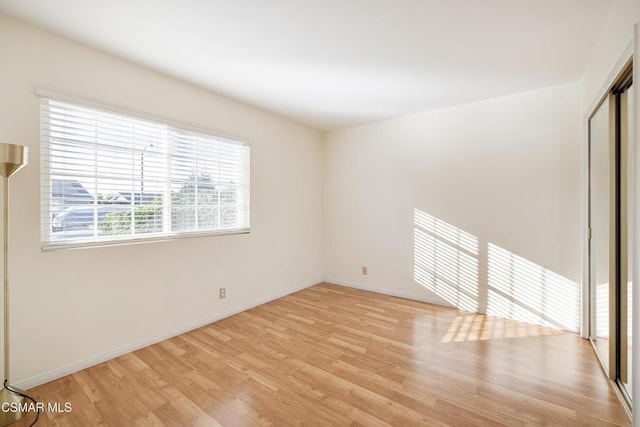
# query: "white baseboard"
{"type": "Point", "coordinates": [386, 291]}
{"type": "Point", "coordinates": [103, 357]}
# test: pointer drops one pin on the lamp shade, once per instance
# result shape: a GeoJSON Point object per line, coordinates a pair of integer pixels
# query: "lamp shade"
{"type": "Point", "coordinates": [12, 158]}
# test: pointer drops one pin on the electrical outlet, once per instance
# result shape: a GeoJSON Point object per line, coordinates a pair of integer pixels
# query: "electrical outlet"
{"type": "Point", "coordinates": [365, 270]}
{"type": "Point", "coordinates": [223, 293]}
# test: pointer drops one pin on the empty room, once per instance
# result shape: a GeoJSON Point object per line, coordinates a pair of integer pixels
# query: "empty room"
{"type": "Point", "coordinates": [320, 213]}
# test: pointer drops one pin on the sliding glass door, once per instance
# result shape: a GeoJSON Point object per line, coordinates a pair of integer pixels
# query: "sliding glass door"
{"type": "Point", "coordinates": [626, 233]}
{"type": "Point", "coordinates": [611, 207]}
{"type": "Point", "coordinates": [601, 166]}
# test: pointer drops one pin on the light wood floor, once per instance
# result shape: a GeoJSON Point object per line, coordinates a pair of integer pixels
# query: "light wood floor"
{"type": "Point", "coordinates": [330, 355]}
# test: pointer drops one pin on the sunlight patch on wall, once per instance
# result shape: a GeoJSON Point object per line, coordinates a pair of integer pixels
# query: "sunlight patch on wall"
{"type": "Point", "coordinates": [602, 310]}
{"type": "Point", "coordinates": [522, 290]}
{"type": "Point", "coordinates": [446, 261]}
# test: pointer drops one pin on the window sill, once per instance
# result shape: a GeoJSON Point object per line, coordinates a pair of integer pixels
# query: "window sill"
{"type": "Point", "coordinates": [88, 244]}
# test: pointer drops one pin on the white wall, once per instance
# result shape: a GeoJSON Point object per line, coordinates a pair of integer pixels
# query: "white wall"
{"type": "Point", "coordinates": [476, 206]}
{"type": "Point", "coordinates": [70, 307]}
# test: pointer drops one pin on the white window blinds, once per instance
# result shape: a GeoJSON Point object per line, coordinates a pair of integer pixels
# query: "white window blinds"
{"type": "Point", "coordinates": [110, 177]}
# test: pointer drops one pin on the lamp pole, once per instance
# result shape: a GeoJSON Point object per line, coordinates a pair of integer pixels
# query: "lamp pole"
{"type": "Point", "coordinates": [12, 159]}
{"type": "Point", "coordinates": [5, 217]}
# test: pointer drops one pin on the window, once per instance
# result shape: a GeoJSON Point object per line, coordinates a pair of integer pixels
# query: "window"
{"type": "Point", "coordinates": [110, 177]}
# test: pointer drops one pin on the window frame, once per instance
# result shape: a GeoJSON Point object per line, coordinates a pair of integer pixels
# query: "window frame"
{"type": "Point", "coordinates": [47, 244]}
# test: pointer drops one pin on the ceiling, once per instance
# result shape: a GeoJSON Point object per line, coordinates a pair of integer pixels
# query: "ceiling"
{"type": "Point", "coordinates": [334, 63]}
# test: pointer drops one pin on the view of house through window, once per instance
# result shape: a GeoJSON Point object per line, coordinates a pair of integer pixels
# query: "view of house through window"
{"type": "Point", "coordinates": [108, 176]}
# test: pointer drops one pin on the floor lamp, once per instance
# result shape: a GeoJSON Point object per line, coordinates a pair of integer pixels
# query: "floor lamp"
{"type": "Point", "coordinates": [12, 159]}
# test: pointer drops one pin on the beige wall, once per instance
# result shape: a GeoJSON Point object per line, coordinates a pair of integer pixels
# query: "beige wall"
{"type": "Point", "coordinates": [75, 307]}
{"type": "Point", "coordinates": [475, 206]}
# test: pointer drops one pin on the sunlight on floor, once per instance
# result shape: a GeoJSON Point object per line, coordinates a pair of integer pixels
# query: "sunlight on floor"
{"type": "Point", "coordinates": [479, 327]}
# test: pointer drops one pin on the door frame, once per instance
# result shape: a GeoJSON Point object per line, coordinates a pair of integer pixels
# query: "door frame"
{"type": "Point", "coordinates": [623, 62]}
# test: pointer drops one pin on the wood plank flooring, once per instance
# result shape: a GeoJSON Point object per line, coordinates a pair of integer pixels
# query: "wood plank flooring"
{"type": "Point", "coordinates": [330, 356]}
